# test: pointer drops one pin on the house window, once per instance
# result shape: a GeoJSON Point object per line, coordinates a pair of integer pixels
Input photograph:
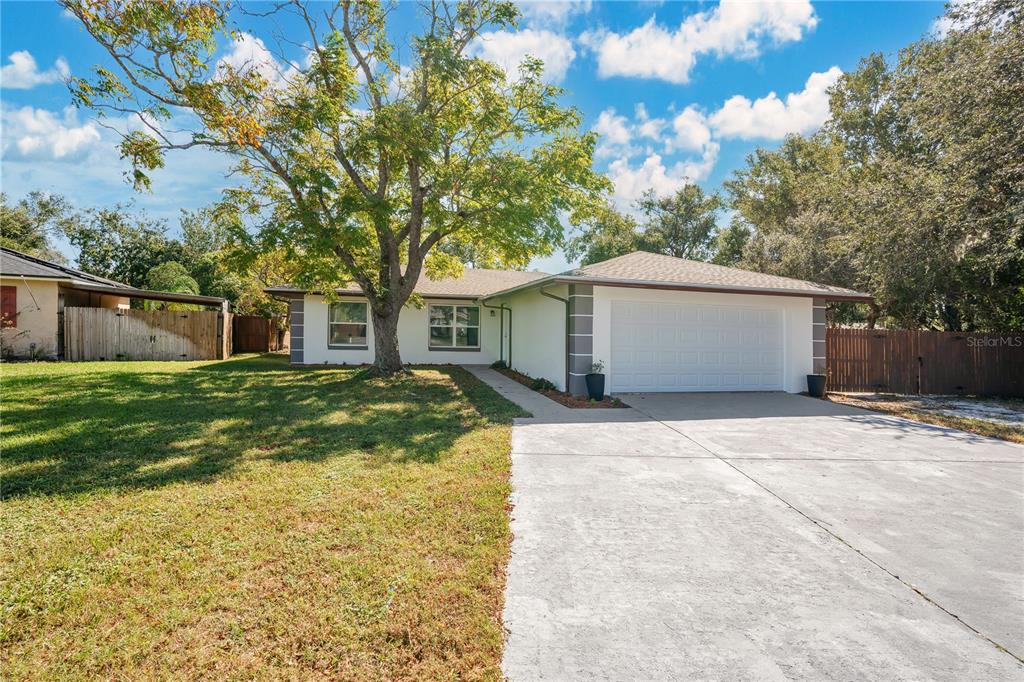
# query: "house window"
{"type": "Point", "coordinates": [454, 326]}
{"type": "Point", "coordinates": [8, 306]}
{"type": "Point", "coordinates": [346, 325]}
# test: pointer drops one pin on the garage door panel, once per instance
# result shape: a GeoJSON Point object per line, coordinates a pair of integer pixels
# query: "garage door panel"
{"type": "Point", "coordinates": [680, 347]}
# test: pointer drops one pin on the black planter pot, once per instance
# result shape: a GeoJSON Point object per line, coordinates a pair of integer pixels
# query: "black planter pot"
{"type": "Point", "coordinates": [595, 386]}
{"type": "Point", "coordinates": [816, 385]}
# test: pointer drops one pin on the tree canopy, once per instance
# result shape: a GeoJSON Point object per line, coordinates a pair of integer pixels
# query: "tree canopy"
{"type": "Point", "coordinates": [357, 164]}
{"type": "Point", "coordinates": [30, 224]}
{"type": "Point", "coordinates": [913, 189]}
{"type": "Point", "coordinates": [682, 225]}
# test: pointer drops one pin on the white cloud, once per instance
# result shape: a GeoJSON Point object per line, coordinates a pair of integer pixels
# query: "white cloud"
{"type": "Point", "coordinates": [22, 72]}
{"type": "Point", "coordinates": [553, 13]}
{"type": "Point", "coordinates": [648, 127]}
{"type": "Point", "coordinates": [632, 182]}
{"type": "Point", "coordinates": [612, 127]}
{"type": "Point", "coordinates": [509, 48]}
{"type": "Point", "coordinates": [249, 53]}
{"type": "Point", "coordinates": [943, 24]}
{"type": "Point", "coordinates": [688, 131]}
{"type": "Point", "coordinates": [37, 134]}
{"type": "Point", "coordinates": [770, 118]}
{"type": "Point", "coordinates": [691, 130]}
{"type": "Point", "coordinates": [616, 134]}
{"type": "Point", "coordinates": [735, 28]}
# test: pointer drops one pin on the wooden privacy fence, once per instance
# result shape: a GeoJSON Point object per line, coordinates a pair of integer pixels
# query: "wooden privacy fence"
{"type": "Point", "coordinates": [925, 362]}
{"type": "Point", "coordinates": [254, 334]}
{"type": "Point", "coordinates": [120, 334]}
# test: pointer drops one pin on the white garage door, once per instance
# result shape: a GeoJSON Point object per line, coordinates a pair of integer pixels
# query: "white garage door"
{"type": "Point", "coordinates": [687, 347]}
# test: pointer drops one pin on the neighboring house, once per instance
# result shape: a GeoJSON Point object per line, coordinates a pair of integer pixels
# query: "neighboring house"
{"type": "Point", "coordinates": [657, 323]}
{"type": "Point", "coordinates": [35, 291]}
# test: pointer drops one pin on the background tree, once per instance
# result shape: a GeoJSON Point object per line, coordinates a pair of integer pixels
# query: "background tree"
{"type": "Point", "coordinates": [730, 244]}
{"type": "Point", "coordinates": [912, 190]}
{"type": "Point", "coordinates": [611, 234]}
{"type": "Point", "coordinates": [30, 225]}
{"type": "Point", "coordinates": [357, 167]}
{"type": "Point", "coordinates": [119, 244]}
{"type": "Point", "coordinates": [790, 202]}
{"type": "Point", "coordinates": [681, 225]}
{"type": "Point", "coordinates": [172, 277]}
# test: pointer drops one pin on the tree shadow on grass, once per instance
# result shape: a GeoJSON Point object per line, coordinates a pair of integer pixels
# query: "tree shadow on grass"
{"type": "Point", "coordinates": [71, 432]}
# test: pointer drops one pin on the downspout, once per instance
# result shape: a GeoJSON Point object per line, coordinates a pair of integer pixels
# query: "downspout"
{"type": "Point", "coordinates": [501, 333]}
{"type": "Point", "coordinates": [566, 302]}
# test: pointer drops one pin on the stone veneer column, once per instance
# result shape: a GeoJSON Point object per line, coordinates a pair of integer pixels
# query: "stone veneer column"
{"type": "Point", "coordinates": [296, 319]}
{"type": "Point", "coordinates": [818, 327]}
{"type": "Point", "coordinates": [581, 336]}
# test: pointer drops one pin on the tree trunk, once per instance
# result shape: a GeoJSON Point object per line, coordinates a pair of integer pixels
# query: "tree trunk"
{"type": "Point", "coordinates": [386, 357]}
{"type": "Point", "coordinates": [873, 313]}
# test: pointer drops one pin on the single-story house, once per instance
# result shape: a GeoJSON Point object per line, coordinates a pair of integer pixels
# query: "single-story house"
{"type": "Point", "coordinates": [655, 322]}
{"type": "Point", "coordinates": [34, 293]}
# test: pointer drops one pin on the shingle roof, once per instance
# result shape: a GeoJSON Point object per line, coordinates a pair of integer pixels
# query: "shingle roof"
{"type": "Point", "coordinates": [655, 269]}
{"type": "Point", "coordinates": [475, 282]}
{"type": "Point", "coordinates": [16, 264]}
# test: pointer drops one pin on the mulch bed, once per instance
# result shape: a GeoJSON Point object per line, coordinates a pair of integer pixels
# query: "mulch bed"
{"type": "Point", "coordinates": [561, 397]}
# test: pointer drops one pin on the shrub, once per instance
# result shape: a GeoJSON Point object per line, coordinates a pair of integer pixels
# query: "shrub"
{"type": "Point", "coordinates": [542, 384]}
{"type": "Point", "coordinates": [499, 364]}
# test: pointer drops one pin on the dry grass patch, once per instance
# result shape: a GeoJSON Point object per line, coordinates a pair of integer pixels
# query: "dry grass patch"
{"type": "Point", "coordinates": [247, 520]}
{"type": "Point", "coordinates": [906, 407]}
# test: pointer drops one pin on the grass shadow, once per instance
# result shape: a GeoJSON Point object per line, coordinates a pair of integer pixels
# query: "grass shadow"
{"type": "Point", "coordinates": [77, 428]}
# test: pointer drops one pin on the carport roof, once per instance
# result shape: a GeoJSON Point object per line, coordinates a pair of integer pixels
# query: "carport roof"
{"type": "Point", "coordinates": [17, 264]}
{"type": "Point", "coordinates": [21, 265]}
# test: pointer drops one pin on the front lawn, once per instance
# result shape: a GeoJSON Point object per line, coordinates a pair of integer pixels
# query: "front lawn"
{"type": "Point", "coordinates": [243, 519]}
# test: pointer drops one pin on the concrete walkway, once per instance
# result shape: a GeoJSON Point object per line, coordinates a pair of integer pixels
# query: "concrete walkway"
{"type": "Point", "coordinates": [531, 401]}
{"type": "Point", "coordinates": [759, 537]}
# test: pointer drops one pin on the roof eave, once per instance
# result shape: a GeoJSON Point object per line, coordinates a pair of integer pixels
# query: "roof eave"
{"type": "Point", "coordinates": [853, 296]}
{"type": "Point", "coordinates": [132, 292]}
{"type": "Point", "coordinates": [298, 293]}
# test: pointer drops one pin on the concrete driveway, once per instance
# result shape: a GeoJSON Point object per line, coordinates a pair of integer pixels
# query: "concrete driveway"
{"type": "Point", "coordinates": [760, 537]}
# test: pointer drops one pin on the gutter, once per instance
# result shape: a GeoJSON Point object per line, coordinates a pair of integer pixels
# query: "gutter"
{"type": "Point", "coordinates": [501, 333]}
{"type": "Point", "coordinates": [566, 302]}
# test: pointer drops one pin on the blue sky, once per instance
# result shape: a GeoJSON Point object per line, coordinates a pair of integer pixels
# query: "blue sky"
{"type": "Point", "coordinates": [680, 91]}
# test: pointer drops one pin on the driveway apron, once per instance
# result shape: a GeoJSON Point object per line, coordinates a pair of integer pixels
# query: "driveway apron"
{"type": "Point", "coordinates": [761, 537]}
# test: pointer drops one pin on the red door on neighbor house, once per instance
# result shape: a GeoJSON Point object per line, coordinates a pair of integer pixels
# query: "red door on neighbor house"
{"type": "Point", "coordinates": [8, 306]}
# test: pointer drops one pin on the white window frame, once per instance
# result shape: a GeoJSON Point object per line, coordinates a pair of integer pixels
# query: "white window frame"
{"type": "Point", "coordinates": [454, 326]}
{"type": "Point", "coordinates": [366, 334]}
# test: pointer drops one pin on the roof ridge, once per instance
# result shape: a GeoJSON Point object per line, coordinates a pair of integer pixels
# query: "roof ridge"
{"type": "Point", "coordinates": [708, 264]}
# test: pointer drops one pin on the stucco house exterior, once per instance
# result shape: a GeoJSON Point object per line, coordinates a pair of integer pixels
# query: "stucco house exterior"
{"type": "Point", "coordinates": [657, 323]}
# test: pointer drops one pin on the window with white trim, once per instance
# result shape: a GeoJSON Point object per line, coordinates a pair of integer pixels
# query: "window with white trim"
{"type": "Point", "coordinates": [454, 326]}
{"type": "Point", "coordinates": [346, 325]}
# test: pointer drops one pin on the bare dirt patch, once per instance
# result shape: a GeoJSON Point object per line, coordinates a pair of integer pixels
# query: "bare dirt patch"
{"type": "Point", "coordinates": [993, 417]}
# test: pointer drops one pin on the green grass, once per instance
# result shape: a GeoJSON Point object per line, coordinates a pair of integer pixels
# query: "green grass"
{"type": "Point", "coordinates": [243, 520]}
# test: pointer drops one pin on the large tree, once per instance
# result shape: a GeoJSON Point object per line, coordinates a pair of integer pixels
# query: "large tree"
{"type": "Point", "coordinates": [358, 164]}
{"type": "Point", "coordinates": [913, 189]}
{"type": "Point", "coordinates": [682, 224]}
{"type": "Point", "coordinates": [611, 234]}
{"type": "Point", "coordinates": [119, 243]}
{"type": "Point", "coordinates": [30, 225]}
